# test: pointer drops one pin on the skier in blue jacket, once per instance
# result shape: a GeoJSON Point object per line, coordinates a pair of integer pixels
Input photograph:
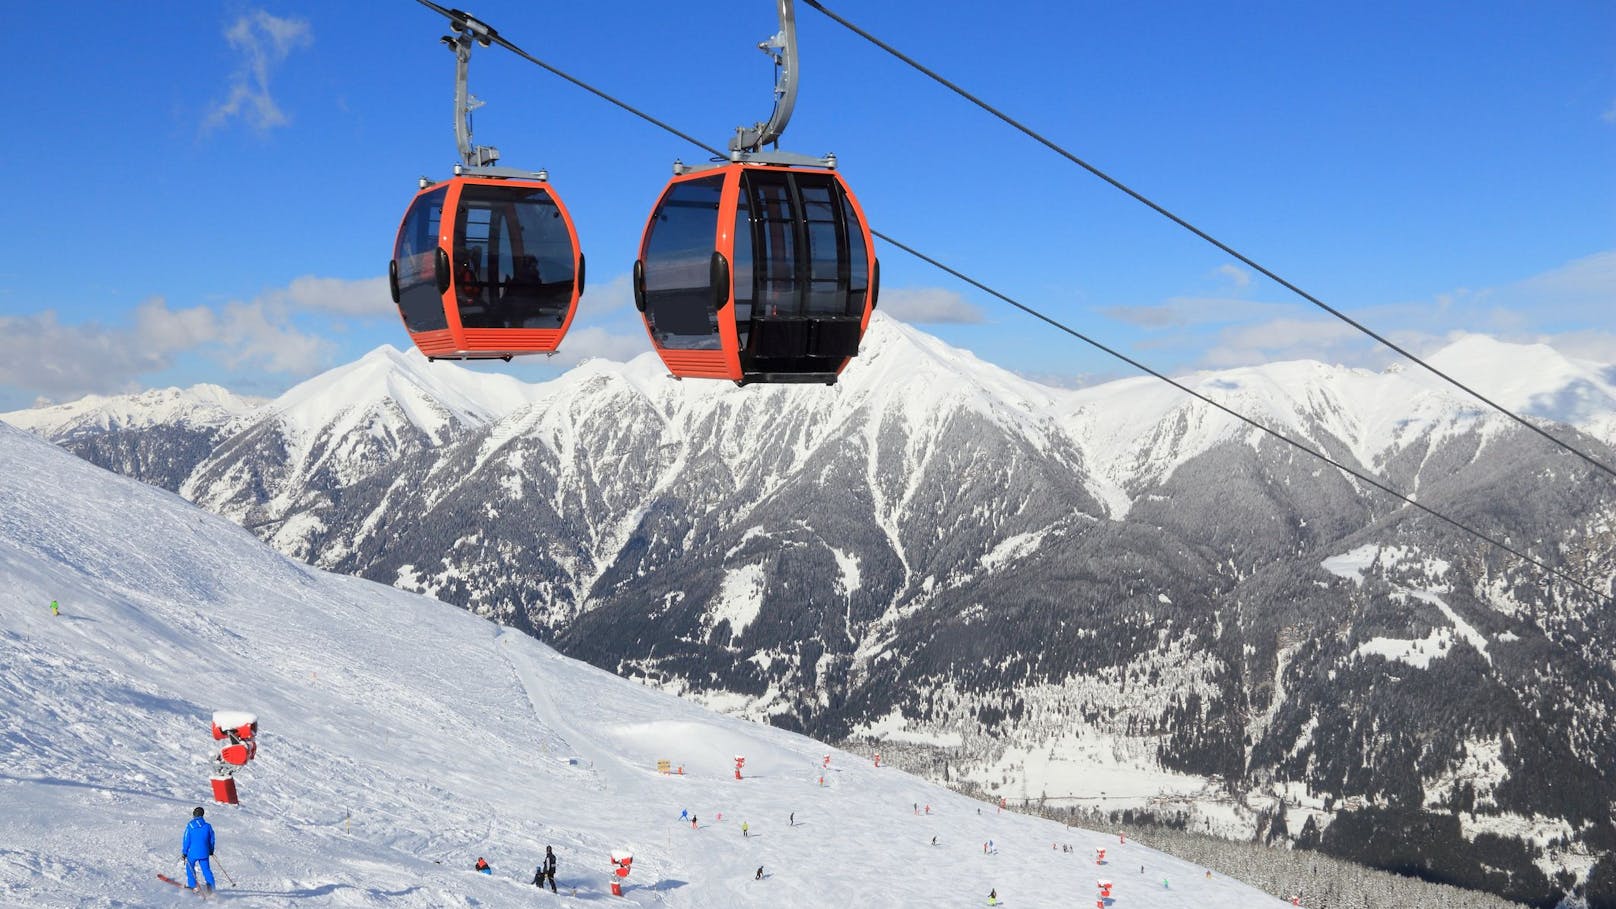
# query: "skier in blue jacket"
{"type": "Point", "coordinates": [195, 848]}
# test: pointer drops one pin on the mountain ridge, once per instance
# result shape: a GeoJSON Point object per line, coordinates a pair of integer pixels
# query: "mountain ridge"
{"type": "Point", "coordinates": [1014, 572]}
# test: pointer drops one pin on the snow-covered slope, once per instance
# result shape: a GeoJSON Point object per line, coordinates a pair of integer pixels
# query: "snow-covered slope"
{"type": "Point", "coordinates": [403, 738]}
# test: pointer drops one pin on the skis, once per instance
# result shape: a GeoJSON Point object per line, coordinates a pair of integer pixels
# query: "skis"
{"type": "Point", "coordinates": [180, 884]}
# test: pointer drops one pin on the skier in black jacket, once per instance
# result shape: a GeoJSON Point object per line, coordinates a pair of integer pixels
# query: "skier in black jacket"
{"type": "Point", "coordinates": [546, 871]}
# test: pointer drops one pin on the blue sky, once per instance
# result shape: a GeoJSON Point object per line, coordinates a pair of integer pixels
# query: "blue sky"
{"type": "Point", "coordinates": [213, 196]}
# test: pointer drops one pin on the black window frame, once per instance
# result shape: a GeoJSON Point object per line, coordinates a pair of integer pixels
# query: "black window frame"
{"type": "Point", "coordinates": [852, 279]}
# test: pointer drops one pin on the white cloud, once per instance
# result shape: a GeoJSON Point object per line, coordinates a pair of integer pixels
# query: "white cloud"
{"type": "Point", "coordinates": [595, 341]}
{"type": "Point", "coordinates": [1595, 344]}
{"type": "Point", "coordinates": [1567, 307]}
{"type": "Point", "coordinates": [1237, 275]}
{"type": "Point", "coordinates": [928, 305]}
{"type": "Point", "coordinates": [263, 42]}
{"type": "Point", "coordinates": [1178, 312]}
{"type": "Point", "coordinates": [365, 297]}
{"type": "Point", "coordinates": [40, 354]}
{"type": "Point", "coordinates": [1585, 285]}
{"type": "Point", "coordinates": [1287, 339]}
{"type": "Point", "coordinates": [599, 299]}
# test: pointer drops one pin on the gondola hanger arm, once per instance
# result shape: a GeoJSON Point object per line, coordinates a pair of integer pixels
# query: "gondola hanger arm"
{"type": "Point", "coordinates": [469, 31]}
{"type": "Point", "coordinates": [783, 48]}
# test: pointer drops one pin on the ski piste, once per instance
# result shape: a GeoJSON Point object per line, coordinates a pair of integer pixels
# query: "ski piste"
{"type": "Point", "coordinates": [165, 595]}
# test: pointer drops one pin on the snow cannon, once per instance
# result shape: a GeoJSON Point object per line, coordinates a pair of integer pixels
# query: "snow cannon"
{"type": "Point", "coordinates": [740, 761]}
{"type": "Point", "coordinates": [1099, 855]}
{"type": "Point", "coordinates": [1122, 838]}
{"type": "Point", "coordinates": [621, 860]}
{"type": "Point", "coordinates": [827, 761]}
{"type": "Point", "coordinates": [878, 759]}
{"type": "Point", "coordinates": [239, 723]}
{"type": "Point", "coordinates": [237, 730]}
{"type": "Point", "coordinates": [224, 790]}
{"type": "Point", "coordinates": [1105, 888]}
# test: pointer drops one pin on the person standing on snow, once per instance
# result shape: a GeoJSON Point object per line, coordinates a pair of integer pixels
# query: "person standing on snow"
{"type": "Point", "coordinates": [483, 867]}
{"type": "Point", "coordinates": [196, 847]}
{"type": "Point", "coordinates": [55, 610]}
{"type": "Point", "coordinates": [746, 829]}
{"type": "Point", "coordinates": [546, 871]}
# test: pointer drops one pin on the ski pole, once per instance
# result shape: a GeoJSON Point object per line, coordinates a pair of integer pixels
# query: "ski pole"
{"type": "Point", "coordinates": [223, 872]}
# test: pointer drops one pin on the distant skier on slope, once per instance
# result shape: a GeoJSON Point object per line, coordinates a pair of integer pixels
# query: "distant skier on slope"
{"type": "Point", "coordinates": [483, 867]}
{"type": "Point", "coordinates": [759, 875]}
{"type": "Point", "coordinates": [55, 610]}
{"type": "Point", "coordinates": [993, 897]}
{"type": "Point", "coordinates": [196, 847]}
{"type": "Point", "coordinates": [546, 871]}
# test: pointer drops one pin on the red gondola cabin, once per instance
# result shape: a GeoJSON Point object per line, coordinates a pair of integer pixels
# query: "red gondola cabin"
{"type": "Point", "coordinates": [501, 278]}
{"type": "Point", "coordinates": [757, 273]}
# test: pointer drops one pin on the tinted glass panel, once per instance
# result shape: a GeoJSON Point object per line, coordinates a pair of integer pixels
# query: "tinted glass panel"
{"type": "Point", "coordinates": [679, 245]}
{"type": "Point", "coordinates": [827, 245]}
{"type": "Point", "coordinates": [809, 255]}
{"type": "Point", "coordinates": [742, 270]}
{"type": "Point", "coordinates": [416, 253]}
{"type": "Point", "coordinates": [774, 226]}
{"type": "Point", "coordinates": [513, 258]}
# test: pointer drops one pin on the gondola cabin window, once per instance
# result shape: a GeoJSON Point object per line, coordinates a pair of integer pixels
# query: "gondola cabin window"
{"type": "Point", "coordinates": [513, 259]}
{"type": "Point", "coordinates": [418, 299]}
{"type": "Point", "coordinates": [679, 296]}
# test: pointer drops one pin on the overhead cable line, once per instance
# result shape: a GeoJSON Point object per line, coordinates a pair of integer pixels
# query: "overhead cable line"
{"type": "Point", "coordinates": [1057, 149]}
{"type": "Point", "coordinates": [458, 16]}
{"type": "Point", "coordinates": [484, 31]}
{"type": "Point", "coordinates": [1247, 420]}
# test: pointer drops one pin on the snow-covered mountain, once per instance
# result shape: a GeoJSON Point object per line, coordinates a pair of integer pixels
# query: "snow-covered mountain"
{"type": "Point", "coordinates": [198, 407]}
{"type": "Point", "coordinates": [402, 738]}
{"type": "Point", "coordinates": [159, 436]}
{"type": "Point", "coordinates": [1112, 596]}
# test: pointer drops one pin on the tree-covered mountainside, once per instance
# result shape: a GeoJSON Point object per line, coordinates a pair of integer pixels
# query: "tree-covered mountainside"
{"type": "Point", "coordinates": [1115, 594]}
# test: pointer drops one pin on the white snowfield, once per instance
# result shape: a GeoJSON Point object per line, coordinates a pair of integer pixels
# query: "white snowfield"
{"type": "Point", "coordinates": [402, 738]}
